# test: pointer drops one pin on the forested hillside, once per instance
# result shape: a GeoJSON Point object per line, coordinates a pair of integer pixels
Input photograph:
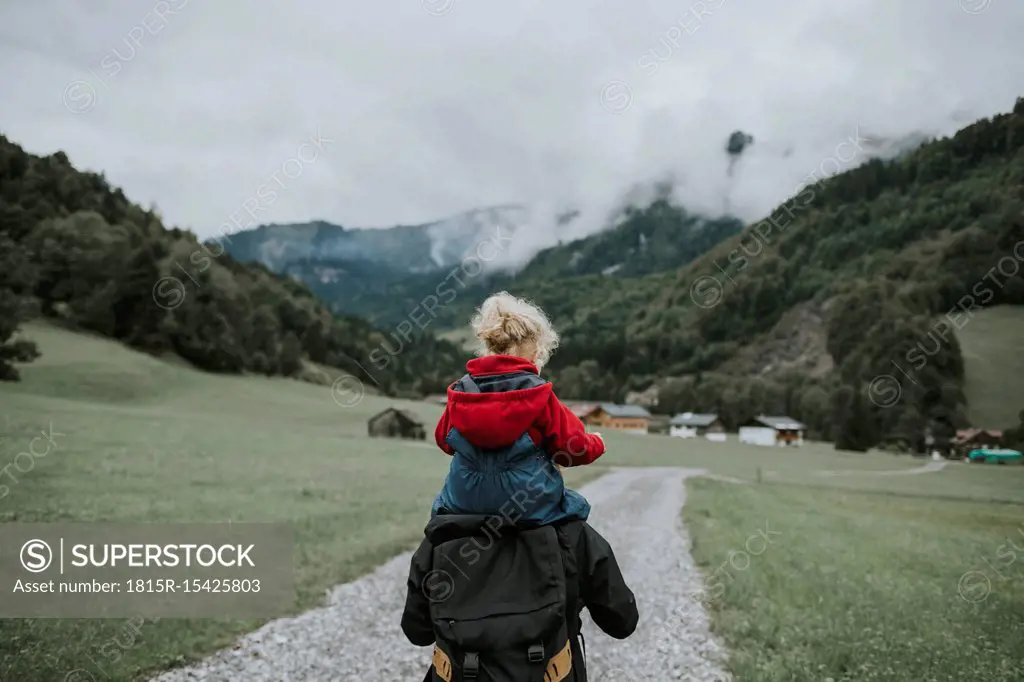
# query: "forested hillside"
{"type": "Point", "coordinates": [75, 249]}
{"type": "Point", "coordinates": [806, 312]}
{"type": "Point", "coordinates": [646, 240]}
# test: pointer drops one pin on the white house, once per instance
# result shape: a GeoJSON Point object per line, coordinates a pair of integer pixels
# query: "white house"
{"type": "Point", "coordinates": [692, 425]}
{"type": "Point", "coordinates": [769, 431]}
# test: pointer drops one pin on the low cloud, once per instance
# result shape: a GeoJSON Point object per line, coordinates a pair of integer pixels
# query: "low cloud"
{"type": "Point", "coordinates": [440, 107]}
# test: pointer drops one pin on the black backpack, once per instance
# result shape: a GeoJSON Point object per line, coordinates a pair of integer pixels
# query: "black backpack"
{"type": "Point", "coordinates": [504, 609]}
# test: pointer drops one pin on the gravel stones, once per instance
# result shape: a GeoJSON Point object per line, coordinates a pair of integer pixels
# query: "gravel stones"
{"type": "Point", "coordinates": [356, 637]}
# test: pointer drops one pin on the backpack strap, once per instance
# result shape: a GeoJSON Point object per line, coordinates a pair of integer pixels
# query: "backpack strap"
{"type": "Point", "coordinates": [560, 665]}
{"type": "Point", "coordinates": [470, 666]}
{"type": "Point", "coordinates": [468, 384]}
{"type": "Point", "coordinates": [441, 664]}
{"type": "Point", "coordinates": [570, 537]}
{"type": "Point", "coordinates": [538, 662]}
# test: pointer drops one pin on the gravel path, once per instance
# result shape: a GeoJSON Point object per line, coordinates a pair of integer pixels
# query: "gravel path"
{"type": "Point", "coordinates": [928, 468]}
{"type": "Point", "coordinates": [356, 637]}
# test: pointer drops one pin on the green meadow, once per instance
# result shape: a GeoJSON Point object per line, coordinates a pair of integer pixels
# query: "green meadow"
{"type": "Point", "coordinates": [859, 585]}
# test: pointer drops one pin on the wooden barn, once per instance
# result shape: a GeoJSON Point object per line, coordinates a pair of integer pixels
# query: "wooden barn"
{"type": "Point", "coordinates": [768, 431]}
{"type": "Point", "coordinates": [694, 425]}
{"type": "Point", "coordinates": [395, 423]}
{"type": "Point", "coordinates": [585, 411]}
{"type": "Point", "coordinates": [627, 418]}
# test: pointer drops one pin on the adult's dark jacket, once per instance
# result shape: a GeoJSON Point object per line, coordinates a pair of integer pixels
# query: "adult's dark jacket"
{"type": "Point", "coordinates": [483, 577]}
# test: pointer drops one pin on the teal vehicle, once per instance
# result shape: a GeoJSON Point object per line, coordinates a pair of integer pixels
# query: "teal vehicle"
{"type": "Point", "coordinates": [999, 456]}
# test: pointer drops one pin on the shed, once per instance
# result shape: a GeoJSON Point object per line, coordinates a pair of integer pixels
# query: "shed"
{"type": "Point", "coordinates": [693, 425]}
{"type": "Point", "coordinates": [769, 431]}
{"type": "Point", "coordinates": [396, 423]}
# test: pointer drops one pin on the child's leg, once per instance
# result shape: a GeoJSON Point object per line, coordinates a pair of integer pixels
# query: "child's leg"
{"type": "Point", "coordinates": [575, 505]}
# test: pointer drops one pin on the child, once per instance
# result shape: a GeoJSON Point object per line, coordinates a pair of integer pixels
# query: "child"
{"type": "Point", "coordinates": [506, 429]}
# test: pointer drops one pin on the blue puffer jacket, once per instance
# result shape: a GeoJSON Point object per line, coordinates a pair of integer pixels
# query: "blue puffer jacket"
{"type": "Point", "coordinates": [499, 420]}
{"type": "Point", "coordinates": [520, 482]}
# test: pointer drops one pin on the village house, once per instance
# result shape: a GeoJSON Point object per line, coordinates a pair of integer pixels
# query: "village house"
{"type": "Point", "coordinates": [769, 431]}
{"type": "Point", "coordinates": [583, 410]}
{"type": "Point", "coordinates": [966, 440]}
{"type": "Point", "coordinates": [439, 398]}
{"type": "Point", "coordinates": [395, 423]}
{"type": "Point", "coordinates": [626, 418]}
{"type": "Point", "coordinates": [694, 425]}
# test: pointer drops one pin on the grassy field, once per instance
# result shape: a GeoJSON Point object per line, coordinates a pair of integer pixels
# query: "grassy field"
{"type": "Point", "coordinates": [993, 361]}
{"type": "Point", "coordinates": [805, 467]}
{"type": "Point", "coordinates": [857, 586]}
{"type": "Point", "coordinates": [149, 440]}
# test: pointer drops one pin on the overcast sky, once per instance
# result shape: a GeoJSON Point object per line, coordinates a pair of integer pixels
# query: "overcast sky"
{"type": "Point", "coordinates": [428, 108]}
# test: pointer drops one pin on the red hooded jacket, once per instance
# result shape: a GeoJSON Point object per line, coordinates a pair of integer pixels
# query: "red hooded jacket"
{"type": "Point", "coordinates": [495, 419]}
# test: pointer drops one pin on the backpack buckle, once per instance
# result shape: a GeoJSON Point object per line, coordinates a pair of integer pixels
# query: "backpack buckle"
{"type": "Point", "coordinates": [470, 666]}
{"type": "Point", "coordinates": [536, 653]}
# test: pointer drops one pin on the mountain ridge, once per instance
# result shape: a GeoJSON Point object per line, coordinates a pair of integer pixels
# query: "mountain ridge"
{"type": "Point", "coordinates": [77, 250]}
{"type": "Point", "coordinates": [415, 248]}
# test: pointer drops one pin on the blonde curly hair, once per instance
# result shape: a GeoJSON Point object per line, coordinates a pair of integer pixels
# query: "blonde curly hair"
{"type": "Point", "coordinates": [507, 325]}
